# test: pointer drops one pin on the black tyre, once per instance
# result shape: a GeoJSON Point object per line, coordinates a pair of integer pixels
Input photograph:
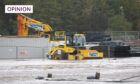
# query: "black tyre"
{"type": "Point", "coordinates": [60, 56]}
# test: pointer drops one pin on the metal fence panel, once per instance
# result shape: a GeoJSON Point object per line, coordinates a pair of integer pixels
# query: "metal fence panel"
{"type": "Point", "coordinates": [33, 42]}
{"type": "Point", "coordinates": [131, 38]}
{"type": "Point", "coordinates": [8, 52]}
{"type": "Point", "coordinates": [29, 52]}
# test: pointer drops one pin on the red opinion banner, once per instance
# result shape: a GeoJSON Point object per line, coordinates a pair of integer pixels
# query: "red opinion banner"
{"type": "Point", "coordinates": [18, 8]}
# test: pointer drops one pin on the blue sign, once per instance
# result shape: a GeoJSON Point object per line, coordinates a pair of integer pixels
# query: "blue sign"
{"type": "Point", "coordinates": [37, 27]}
{"type": "Point", "coordinates": [93, 54]}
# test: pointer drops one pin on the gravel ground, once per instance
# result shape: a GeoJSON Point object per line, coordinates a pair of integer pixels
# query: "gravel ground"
{"type": "Point", "coordinates": [112, 71]}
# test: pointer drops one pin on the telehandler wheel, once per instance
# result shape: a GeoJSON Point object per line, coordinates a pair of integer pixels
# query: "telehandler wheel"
{"type": "Point", "coordinates": [57, 57]}
{"type": "Point", "coordinates": [60, 56]}
{"type": "Point", "coordinates": [76, 57]}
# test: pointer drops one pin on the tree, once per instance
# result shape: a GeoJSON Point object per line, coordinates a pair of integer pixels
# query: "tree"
{"type": "Point", "coordinates": [119, 23]}
{"type": "Point", "coordinates": [132, 11]}
{"type": "Point", "coordinates": [99, 15]}
{"type": "Point", "coordinates": [77, 15]}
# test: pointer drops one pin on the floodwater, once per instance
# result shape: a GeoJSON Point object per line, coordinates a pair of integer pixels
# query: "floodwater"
{"type": "Point", "coordinates": [112, 71]}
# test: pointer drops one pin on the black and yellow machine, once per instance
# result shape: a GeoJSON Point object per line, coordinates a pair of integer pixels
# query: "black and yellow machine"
{"type": "Point", "coordinates": [63, 46]}
{"type": "Point", "coordinates": [73, 49]}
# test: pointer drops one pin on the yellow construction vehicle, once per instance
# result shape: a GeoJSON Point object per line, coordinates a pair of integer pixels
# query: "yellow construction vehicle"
{"type": "Point", "coordinates": [73, 50]}
{"type": "Point", "coordinates": [24, 23]}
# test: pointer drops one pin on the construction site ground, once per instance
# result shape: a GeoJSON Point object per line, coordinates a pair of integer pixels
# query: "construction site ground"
{"type": "Point", "coordinates": [35, 71]}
